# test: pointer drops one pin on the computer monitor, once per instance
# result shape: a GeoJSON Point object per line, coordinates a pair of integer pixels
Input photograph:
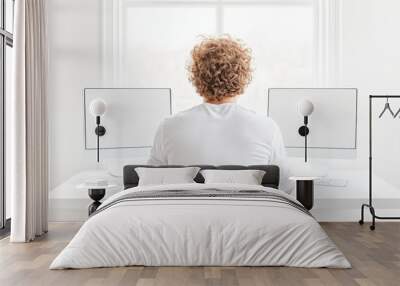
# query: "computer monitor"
{"type": "Point", "coordinates": [132, 117]}
{"type": "Point", "coordinates": [332, 125]}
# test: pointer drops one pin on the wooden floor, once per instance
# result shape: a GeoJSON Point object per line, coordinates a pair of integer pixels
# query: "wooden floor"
{"type": "Point", "coordinates": [375, 257]}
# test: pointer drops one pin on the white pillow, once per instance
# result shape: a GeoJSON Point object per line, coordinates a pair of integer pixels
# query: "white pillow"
{"type": "Point", "coordinates": [166, 176]}
{"type": "Point", "coordinates": [248, 177]}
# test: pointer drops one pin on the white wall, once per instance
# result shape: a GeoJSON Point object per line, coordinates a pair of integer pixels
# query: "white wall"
{"type": "Point", "coordinates": [75, 47]}
{"type": "Point", "coordinates": [74, 36]}
{"type": "Point", "coordinates": [370, 62]}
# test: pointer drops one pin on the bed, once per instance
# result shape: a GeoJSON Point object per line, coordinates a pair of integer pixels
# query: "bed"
{"type": "Point", "coordinates": [198, 224]}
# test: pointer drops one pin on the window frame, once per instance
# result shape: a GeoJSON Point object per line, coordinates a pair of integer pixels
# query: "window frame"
{"type": "Point", "coordinates": [327, 63]}
{"type": "Point", "coordinates": [6, 39]}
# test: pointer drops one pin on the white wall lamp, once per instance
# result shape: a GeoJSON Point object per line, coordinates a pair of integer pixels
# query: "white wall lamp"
{"type": "Point", "coordinates": [305, 108]}
{"type": "Point", "coordinates": [97, 109]}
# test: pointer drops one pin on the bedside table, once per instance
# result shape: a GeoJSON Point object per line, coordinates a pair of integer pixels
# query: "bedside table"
{"type": "Point", "coordinates": [305, 190]}
{"type": "Point", "coordinates": [96, 193]}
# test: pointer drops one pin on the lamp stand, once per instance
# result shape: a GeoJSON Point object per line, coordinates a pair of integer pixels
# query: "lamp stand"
{"type": "Point", "coordinates": [305, 148]}
{"type": "Point", "coordinates": [304, 131]}
{"type": "Point", "coordinates": [100, 131]}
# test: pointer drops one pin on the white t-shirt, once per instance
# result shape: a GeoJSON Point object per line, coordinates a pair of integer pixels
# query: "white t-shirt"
{"type": "Point", "coordinates": [220, 134]}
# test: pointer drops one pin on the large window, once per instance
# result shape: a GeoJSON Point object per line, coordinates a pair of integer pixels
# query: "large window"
{"type": "Point", "coordinates": [6, 43]}
{"type": "Point", "coordinates": [148, 43]}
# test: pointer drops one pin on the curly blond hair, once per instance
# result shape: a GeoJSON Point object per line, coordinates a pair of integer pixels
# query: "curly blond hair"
{"type": "Point", "coordinates": [220, 68]}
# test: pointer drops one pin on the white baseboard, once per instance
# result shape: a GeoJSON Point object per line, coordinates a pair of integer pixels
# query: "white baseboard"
{"type": "Point", "coordinates": [349, 210]}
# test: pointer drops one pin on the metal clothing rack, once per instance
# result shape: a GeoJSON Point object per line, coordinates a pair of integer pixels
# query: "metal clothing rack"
{"type": "Point", "coordinates": [370, 201]}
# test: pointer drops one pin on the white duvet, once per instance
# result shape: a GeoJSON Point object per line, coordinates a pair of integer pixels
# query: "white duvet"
{"type": "Point", "coordinates": [193, 231]}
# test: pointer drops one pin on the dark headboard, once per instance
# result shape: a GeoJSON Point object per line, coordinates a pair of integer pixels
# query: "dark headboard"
{"type": "Point", "coordinates": [270, 179]}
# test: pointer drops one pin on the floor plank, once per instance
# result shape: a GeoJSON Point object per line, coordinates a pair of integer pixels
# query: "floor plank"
{"type": "Point", "coordinates": [375, 257]}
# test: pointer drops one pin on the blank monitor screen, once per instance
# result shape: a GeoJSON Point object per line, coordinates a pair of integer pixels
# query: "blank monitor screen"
{"type": "Point", "coordinates": [333, 123]}
{"type": "Point", "coordinates": [132, 116]}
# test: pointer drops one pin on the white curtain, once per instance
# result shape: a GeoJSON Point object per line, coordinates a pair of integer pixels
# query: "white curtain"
{"type": "Point", "coordinates": [27, 141]}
